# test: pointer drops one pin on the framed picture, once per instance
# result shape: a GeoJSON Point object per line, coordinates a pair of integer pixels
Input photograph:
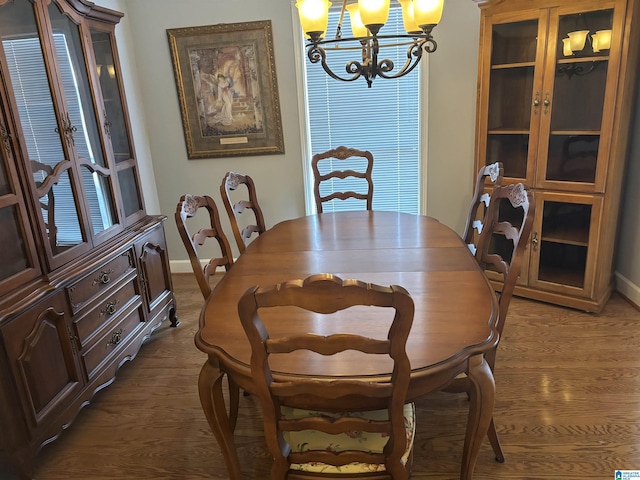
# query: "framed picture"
{"type": "Point", "coordinates": [227, 87]}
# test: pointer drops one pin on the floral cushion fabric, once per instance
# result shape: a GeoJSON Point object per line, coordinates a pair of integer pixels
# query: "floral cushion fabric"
{"type": "Point", "coordinates": [373, 442]}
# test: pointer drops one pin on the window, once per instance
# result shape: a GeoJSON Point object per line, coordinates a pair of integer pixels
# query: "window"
{"type": "Point", "coordinates": [384, 119]}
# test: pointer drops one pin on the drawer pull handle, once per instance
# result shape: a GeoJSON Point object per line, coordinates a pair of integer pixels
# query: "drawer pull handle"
{"type": "Point", "coordinates": [103, 278]}
{"type": "Point", "coordinates": [116, 337]}
{"type": "Point", "coordinates": [110, 308]}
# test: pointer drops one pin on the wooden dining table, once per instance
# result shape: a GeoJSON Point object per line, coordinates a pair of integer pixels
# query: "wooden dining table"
{"type": "Point", "coordinates": [454, 322]}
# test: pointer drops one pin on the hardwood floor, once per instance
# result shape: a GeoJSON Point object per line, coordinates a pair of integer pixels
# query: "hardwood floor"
{"type": "Point", "coordinates": [568, 406]}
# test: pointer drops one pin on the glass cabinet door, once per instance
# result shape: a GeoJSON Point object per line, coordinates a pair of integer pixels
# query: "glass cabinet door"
{"type": "Point", "coordinates": [47, 134]}
{"type": "Point", "coordinates": [85, 136]}
{"type": "Point", "coordinates": [563, 231]}
{"type": "Point", "coordinates": [571, 139]}
{"type": "Point", "coordinates": [18, 261]}
{"type": "Point", "coordinates": [115, 121]}
{"type": "Point", "coordinates": [513, 101]}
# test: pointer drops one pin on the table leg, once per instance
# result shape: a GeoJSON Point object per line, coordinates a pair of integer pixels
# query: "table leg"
{"type": "Point", "coordinates": [482, 396]}
{"type": "Point", "coordinates": [212, 401]}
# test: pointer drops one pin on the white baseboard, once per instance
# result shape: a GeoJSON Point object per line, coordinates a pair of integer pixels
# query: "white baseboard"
{"type": "Point", "coordinates": [627, 288]}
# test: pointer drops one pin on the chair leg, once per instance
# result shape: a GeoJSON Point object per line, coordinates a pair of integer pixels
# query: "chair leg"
{"type": "Point", "coordinates": [234, 402]}
{"type": "Point", "coordinates": [495, 442]}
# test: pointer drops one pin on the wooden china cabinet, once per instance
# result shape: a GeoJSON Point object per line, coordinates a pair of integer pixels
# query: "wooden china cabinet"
{"type": "Point", "coordinates": [84, 273]}
{"type": "Point", "coordinates": [557, 116]}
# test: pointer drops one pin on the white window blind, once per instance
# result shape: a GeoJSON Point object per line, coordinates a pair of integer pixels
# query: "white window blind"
{"type": "Point", "coordinates": [383, 119]}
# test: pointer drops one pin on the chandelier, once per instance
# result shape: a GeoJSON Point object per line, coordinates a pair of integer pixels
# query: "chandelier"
{"type": "Point", "coordinates": [367, 20]}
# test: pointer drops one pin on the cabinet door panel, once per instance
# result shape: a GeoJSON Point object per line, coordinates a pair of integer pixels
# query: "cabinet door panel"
{"type": "Point", "coordinates": [18, 257]}
{"type": "Point", "coordinates": [154, 262]}
{"type": "Point", "coordinates": [46, 134]}
{"type": "Point", "coordinates": [579, 85]}
{"type": "Point", "coordinates": [42, 358]}
{"type": "Point", "coordinates": [512, 100]}
{"type": "Point", "coordinates": [564, 243]}
{"type": "Point", "coordinates": [86, 139]}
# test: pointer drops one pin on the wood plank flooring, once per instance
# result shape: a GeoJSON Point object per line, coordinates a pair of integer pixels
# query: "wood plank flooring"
{"type": "Point", "coordinates": [568, 407]}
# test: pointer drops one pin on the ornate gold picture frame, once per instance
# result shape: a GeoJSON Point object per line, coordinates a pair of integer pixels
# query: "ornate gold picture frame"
{"type": "Point", "coordinates": [227, 87]}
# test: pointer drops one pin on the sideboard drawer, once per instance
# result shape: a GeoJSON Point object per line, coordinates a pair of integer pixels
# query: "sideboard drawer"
{"type": "Point", "coordinates": [100, 279]}
{"type": "Point", "coordinates": [112, 340]}
{"type": "Point", "coordinates": [104, 311]}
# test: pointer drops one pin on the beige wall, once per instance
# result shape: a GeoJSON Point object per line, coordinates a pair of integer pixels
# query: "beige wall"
{"type": "Point", "coordinates": [628, 258]}
{"type": "Point", "coordinates": [167, 173]}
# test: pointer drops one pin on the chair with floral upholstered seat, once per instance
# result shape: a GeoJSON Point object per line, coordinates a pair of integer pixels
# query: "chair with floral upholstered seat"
{"type": "Point", "coordinates": [331, 437]}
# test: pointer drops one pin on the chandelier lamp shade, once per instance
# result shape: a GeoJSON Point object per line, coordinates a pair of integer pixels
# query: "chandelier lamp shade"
{"type": "Point", "coordinates": [367, 20]}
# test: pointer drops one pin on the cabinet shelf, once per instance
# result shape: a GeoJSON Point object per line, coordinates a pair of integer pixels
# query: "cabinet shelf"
{"type": "Point", "coordinates": [508, 131]}
{"type": "Point", "coordinates": [569, 237]}
{"type": "Point", "coordinates": [594, 59]}
{"type": "Point", "coordinates": [503, 66]}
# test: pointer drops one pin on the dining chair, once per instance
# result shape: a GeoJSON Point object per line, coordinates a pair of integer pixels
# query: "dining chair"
{"type": "Point", "coordinates": [476, 216]}
{"type": "Point", "coordinates": [507, 225]}
{"type": "Point", "coordinates": [187, 208]}
{"type": "Point", "coordinates": [335, 176]}
{"type": "Point", "coordinates": [230, 183]}
{"type": "Point", "coordinates": [324, 440]}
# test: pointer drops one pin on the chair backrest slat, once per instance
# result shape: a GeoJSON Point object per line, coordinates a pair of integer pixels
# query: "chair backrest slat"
{"type": "Point", "coordinates": [342, 153]}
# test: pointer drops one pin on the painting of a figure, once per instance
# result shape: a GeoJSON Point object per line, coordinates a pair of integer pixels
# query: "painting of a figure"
{"type": "Point", "coordinates": [227, 88]}
{"type": "Point", "coordinates": [228, 100]}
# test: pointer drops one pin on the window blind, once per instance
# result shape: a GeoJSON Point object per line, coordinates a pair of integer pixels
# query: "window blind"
{"type": "Point", "coordinates": [383, 119]}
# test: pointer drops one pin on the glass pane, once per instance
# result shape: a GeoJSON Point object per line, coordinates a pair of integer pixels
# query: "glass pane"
{"type": "Point", "coordinates": [578, 96]}
{"type": "Point", "coordinates": [99, 198]}
{"type": "Point", "coordinates": [564, 242]}
{"type": "Point", "coordinates": [562, 263]}
{"type": "Point", "coordinates": [573, 158]}
{"type": "Point", "coordinates": [105, 66]}
{"type": "Point", "coordinates": [514, 42]}
{"type": "Point", "coordinates": [73, 72]}
{"type": "Point", "coordinates": [59, 211]}
{"type": "Point", "coordinates": [30, 83]}
{"type": "Point", "coordinates": [510, 98]}
{"type": "Point", "coordinates": [130, 192]}
{"type": "Point", "coordinates": [14, 252]}
{"type": "Point", "coordinates": [511, 150]}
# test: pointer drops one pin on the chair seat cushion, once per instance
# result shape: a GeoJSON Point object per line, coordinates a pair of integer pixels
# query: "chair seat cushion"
{"type": "Point", "coordinates": [372, 442]}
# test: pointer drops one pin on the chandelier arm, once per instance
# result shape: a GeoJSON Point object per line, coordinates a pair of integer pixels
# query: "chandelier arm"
{"type": "Point", "coordinates": [317, 54]}
{"type": "Point", "coordinates": [414, 54]}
